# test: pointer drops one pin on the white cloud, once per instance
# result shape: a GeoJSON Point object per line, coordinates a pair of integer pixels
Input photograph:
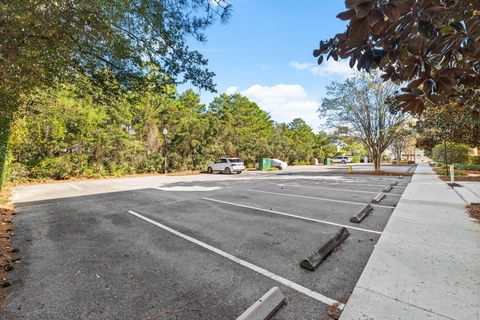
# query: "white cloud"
{"type": "Point", "coordinates": [327, 68]}
{"type": "Point", "coordinates": [301, 66]}
{"type": "Point", "coordinates": [231, 90]}
{"type": "Point", "coordinates": [285, 102]}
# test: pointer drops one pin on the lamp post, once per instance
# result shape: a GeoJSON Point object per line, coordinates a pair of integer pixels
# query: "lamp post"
{"type": "Point", "coordinates": [165, 131]}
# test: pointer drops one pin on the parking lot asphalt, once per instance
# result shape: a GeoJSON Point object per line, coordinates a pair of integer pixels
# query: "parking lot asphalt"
{"type": "Point", "coordinates": [185, 249]}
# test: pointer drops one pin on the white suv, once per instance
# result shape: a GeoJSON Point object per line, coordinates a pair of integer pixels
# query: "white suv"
{"type": "Point", "coordinates": [341, 160]}
{"type": "Point", "coordinates": [226, 165]}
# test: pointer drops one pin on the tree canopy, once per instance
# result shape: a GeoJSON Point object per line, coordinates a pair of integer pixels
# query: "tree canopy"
{"type": "Point", "coordinates": [360, 104]}
{"type": "Point", "coordinates": [92, 127]}
{"type": "Point", "coordinates": [431, 45]}
{"type": "Point", "coordinates": [42, 41]}
{"type": "Point", "coordinates": [448, 124]}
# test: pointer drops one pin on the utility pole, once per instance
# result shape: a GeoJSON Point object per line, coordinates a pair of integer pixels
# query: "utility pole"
{"type": "Point", "coordinates": [165, 131]}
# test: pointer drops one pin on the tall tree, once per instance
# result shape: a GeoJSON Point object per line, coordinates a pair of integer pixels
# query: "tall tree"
{"type": "Point", "coordinates": [280, 144]}
{"type": "Point", "coordinates": [245, 126]}
{"type": "Point", "coordinates": [405, 140]}
{"type": "Point", "coordinates": [323, 147]}
{"type": "Point", "coordinates": [44, 41]}
{"type": "Point", "coordinates": [303, 141]}
{"type": "Point", "coordinates": [431, 45]}
{"type": "Point", "coordinates": [74, 130]}
{"type": "Point", "coordinates": [448, 123]}
{"type": "Point", "coordinates": [361, 104]}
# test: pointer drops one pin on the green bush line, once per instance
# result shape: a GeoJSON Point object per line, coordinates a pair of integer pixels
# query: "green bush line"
{"type": "Point", "coordinates": [85, 130]}
{"type": "Point", "coordinates": [444, 172]}
{"type": "Point", "coordinates": [459, 166]}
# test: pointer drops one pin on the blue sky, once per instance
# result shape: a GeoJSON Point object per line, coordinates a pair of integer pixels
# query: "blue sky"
{"type": "Point", "coordinates": [265, 53]}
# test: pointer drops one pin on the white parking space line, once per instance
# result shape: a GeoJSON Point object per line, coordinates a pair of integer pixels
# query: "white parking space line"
{"type": "Point", "coordinates": [380, 184]}
{"type": "Point", "coordinates": [357, 182]}
{"type": "Point", "coordinates": [318, 198]}
{"type": "Point", "coordinates": [312, 294]}
{"type": "Point", "coordinates": [74, 186]}
{"type": "Point", "coordinates": [188, 188]}
{"type": "Point", "coordinates": [292, 215]}
{"type": "Point", "coordinates": [334, 189]}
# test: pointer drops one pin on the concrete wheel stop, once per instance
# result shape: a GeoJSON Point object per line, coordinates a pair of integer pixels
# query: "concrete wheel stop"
{"type": "Point", "coordinates": [362, 214]}
{"type": "Point", "coordinates": [265, 307]}
{"type": "Point", "coordinates": [314, 260]}
{"type": "Point", "coordinates": [378, 197]}
{"type": "Point", "coordinates": [388, 188]}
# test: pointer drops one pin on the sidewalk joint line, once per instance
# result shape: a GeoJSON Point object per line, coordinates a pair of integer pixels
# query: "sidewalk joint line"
{"type": "Point", "coordinates": [407, 303]}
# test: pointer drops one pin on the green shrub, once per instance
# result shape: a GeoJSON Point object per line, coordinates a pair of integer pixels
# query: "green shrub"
{"type": "Point", "coordinates": [19, 172]}
{"type": "Point", "coordinates": [151, 164]}
{"type": "Point", "coordinates": [474, 160]}
{"type": "Point", "coordinates": [356, 159]}
{"type": "Point", "coordinates": [271, 169]}
{"type": "Point", "coordinates": [52, 168]}
{"type": "Point", "coordinates": [456, 153]}
{"type": "Point", "coordinates": [444, 172]}
{"type": "Point", "coordinates": [463, 166]}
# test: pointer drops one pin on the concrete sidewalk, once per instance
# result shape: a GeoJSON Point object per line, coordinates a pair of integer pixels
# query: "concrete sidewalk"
{"type": "Point", "coordinates": [426, 264]}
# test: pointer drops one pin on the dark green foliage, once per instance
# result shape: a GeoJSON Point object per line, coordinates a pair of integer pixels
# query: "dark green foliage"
{"type": "Point", "coordinates": [463, 166]}
{"type": "Point", "coordinates": [431, 46]}
{"type": "Point", "coordinates": [475, 160]}
{"type": "Point", "coordinates": [44, 43]}
{"type": "Point", "coordinates": [446, 172]}
{"type": "Point", "coordinates": [241, 127]}
{"type": "Point", "coordinates": [448, 123]}
{"type": "Point", "coordinates": [93, 127]}
{"type": "Point", "coordinates": [451, 153]}
{"type": "Point", "coordinates": [7, 105]}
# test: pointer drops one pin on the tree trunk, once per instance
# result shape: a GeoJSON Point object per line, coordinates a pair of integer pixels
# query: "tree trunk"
{"type": "Point", "coordinates": [376, 161]}
{"type": "Point", "coordinates": [399, 156]}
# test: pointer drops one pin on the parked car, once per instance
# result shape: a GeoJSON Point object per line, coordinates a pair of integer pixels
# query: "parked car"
{"type": "Point", "coordinates": [403, 161]}
{"type": "Point", "coordinates": [342, 159]}
{"type": "Point", "coordinates": [281, 165]}
{"type": "Point", "coordinates": [226, 165]}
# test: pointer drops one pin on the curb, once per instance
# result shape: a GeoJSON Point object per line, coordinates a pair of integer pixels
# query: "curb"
{"type": "Point", "coordinates": [264, 307]}
{"type": "Point", "coordinates": [314, 260]}
{"type": "Point", "coordinates": [362, 214]}
{"type": "Point", "coordinates": [378, 197]}
{"type": "Point", "coordinates": [466, 194]}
